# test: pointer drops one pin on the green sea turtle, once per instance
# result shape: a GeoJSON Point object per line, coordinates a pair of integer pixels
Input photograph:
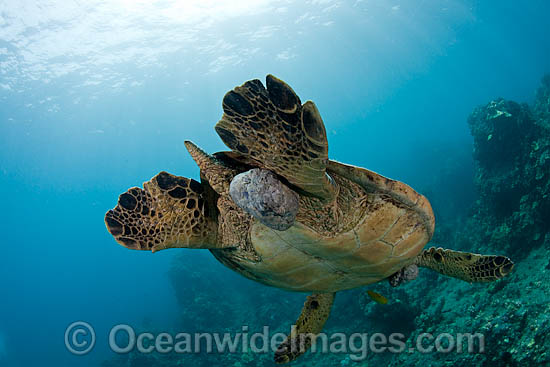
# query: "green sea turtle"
{"type": "Point", "coordinates": [345, 228]}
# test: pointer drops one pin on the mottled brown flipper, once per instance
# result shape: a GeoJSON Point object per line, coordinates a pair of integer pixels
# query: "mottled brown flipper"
{"type": "Point", "coordinates": [169, 212]}
{"type": "Point", "coordinates": [464, 265]}
{"type": "Point", "coordinates": [310, 323]}
{"type": "Point", "coordinates": [273, 128]}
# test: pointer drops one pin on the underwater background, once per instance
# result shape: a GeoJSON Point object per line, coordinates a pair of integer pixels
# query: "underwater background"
{"type": "Point", "coordinates": [98, 96]}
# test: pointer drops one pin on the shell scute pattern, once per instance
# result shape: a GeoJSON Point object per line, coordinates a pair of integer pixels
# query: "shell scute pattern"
{"type": "Point", "coordinates": [371, 238]}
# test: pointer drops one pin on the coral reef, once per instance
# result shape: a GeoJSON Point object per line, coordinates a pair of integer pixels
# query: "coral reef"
{"type": "Point", "coordinates": [512, 154]}
{"type": "Point", "coordinates": [510, 216]}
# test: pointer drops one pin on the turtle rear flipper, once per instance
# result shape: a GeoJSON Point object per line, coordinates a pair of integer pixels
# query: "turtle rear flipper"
{"type": "Point", "coordinates": [169, 212]}
{"type": "Point", "coordinates": [272, 127]}
{"type": "Point", "coordinates": [310, 323]}
{"type": "Point", "coordinates": [464, 265]}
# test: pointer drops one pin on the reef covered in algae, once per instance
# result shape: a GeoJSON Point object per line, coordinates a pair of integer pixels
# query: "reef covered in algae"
{"type": "Point", "coordinates": [510, 215]}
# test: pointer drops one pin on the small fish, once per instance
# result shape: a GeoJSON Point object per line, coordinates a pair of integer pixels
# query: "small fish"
{"type": "Point", "coordinates": [377, 297]}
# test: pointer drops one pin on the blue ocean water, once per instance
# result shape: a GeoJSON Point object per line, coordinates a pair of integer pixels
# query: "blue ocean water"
{"type": "Point", "coordinates": [99, 96]}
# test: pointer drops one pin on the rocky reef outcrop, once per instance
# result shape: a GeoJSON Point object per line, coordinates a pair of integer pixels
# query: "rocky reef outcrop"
{"type": "Point", "coordinates": [511, 215]}
{"type": "Point", "coordinates": [512, 155]}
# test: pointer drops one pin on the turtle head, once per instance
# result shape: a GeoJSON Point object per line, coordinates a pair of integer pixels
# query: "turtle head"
{"type": "Point", "coordinates": [217, 174]}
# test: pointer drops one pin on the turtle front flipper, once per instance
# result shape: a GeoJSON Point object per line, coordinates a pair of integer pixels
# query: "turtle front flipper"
{"type": "Point", "coordinates": [464, 265]}
{"type": "Point", "coordinates": [272, 128]}
{"type": "Point", "coordinates": [310, 323]}
{"type": "Point", "coordinates": [169, 212]}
